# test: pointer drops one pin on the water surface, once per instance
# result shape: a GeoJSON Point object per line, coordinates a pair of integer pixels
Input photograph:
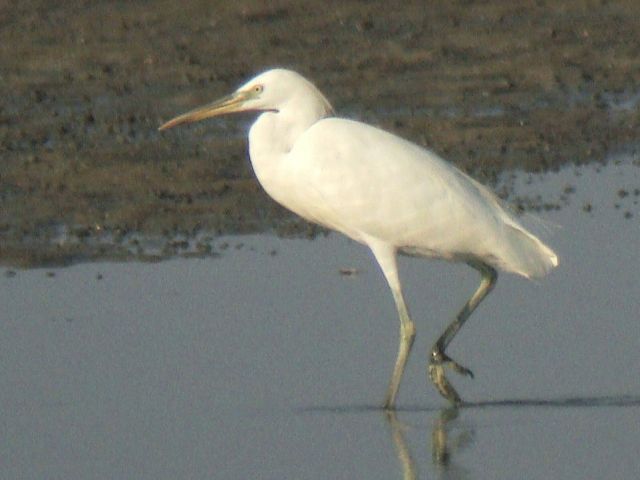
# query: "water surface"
{"type": "Point", "coordinates": [266, 362]}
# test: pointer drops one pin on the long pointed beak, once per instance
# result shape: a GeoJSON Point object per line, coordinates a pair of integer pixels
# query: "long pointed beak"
{"type": "Point", "coordinates": [230, 103]}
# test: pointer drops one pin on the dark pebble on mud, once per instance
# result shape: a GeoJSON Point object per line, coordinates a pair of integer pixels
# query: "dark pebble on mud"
{"type": "Point", "coordinates": [203, 248]}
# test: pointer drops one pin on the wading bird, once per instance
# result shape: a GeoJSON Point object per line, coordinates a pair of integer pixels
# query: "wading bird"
{"type": "Point", "coordinates": [382, 191]}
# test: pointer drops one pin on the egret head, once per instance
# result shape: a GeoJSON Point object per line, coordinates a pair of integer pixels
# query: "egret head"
{"type": "Point", "coordinates": [272, 91]}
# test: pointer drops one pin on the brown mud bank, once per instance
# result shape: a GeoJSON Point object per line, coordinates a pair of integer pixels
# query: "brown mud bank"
{"type": "Point", "coordinates": [490, 85]}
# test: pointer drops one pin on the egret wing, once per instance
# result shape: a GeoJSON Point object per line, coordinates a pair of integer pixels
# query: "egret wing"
{"type": "Point", "coordinates": [368, 183]}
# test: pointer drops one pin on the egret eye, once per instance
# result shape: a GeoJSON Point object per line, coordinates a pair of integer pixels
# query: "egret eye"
{"type": "Point", "coordinates": [258, 88]}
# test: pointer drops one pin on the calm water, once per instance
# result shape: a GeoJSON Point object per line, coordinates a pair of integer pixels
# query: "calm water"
{"type": "Point", "coordinates": [267, 363]}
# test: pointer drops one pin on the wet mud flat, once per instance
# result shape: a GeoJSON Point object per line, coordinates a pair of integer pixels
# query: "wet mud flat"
{"type": "Point", "coordinates": [84, 174]}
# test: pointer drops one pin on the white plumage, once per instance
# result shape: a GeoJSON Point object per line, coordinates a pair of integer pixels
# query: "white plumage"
{"type": "Point", "coordinates": [382, 191]}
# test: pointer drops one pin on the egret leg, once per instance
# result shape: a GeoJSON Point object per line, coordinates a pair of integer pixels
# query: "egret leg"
{"type": "Point", "coordinates": [439, 359]}
{"type": "Point", "coordinates": [407, 336]}
{"type": "Point", "coordinates": [386, 257]}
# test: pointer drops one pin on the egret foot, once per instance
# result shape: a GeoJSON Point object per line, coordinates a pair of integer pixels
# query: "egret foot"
{"type": "Point", "coordinates": [439, 360]}
{"type": "Point", "coordinates": [438, 357]}
{"type": "Point", "coordinates": [437, 376]}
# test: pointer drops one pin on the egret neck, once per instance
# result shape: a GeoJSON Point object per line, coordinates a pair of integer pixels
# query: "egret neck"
{"type": "Point", "coordinates": [275, 132]}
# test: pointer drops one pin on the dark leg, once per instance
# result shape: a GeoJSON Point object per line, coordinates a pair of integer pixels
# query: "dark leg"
{"type": "Point", "coordinates": [439, 359]}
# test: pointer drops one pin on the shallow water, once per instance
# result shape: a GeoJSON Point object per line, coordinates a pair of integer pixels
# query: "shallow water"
{"type": "Point", "coordinates": [266, 362]}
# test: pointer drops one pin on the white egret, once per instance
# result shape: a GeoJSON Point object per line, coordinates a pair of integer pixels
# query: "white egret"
{"type": "Point", "coordinates": [382, 191]}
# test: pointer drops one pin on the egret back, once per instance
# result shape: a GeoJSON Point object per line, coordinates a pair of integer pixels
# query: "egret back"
{"type": "Point", "coordinates": [370, 184]}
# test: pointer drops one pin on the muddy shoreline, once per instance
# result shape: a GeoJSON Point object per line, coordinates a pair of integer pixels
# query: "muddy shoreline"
{"type": "Point", "coordinates": [492, 86]}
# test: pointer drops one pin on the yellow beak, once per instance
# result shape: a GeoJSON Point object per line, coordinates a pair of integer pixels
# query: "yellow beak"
{"type": "Point", "coordinates": [229, 104]}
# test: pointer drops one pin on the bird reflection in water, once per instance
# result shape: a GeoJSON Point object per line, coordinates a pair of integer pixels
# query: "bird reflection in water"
{"type": "Point", "coordinates": [400, 444]}
{"type": "Point", "coordinates": [444, 444]}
